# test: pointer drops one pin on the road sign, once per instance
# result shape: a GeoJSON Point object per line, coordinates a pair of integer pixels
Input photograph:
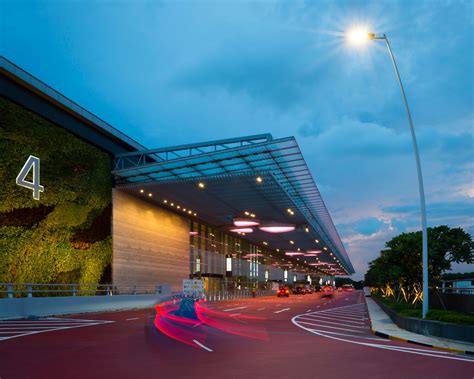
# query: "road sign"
{"type": "Point", "coordinates": [193, 287]}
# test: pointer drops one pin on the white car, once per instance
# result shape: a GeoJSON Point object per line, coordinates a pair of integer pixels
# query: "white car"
{"type": "Point", "coordinates": [367, 292]}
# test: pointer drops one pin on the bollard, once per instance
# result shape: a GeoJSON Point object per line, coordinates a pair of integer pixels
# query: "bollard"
{"type": "Point", "coordinates": [29, 290]}
{"type": "Point", "coordinates": [134, 290]}
{"type": "Point", "coordinates": [74, 290]}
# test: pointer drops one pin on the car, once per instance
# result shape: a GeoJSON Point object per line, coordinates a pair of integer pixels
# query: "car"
{"type": "Point", "coordinates": [283, 291]}
{"type": "Point", "coordinates": [317, 288]}
{"type": "Point", "coordinates": [327, 291]}
{"type": "Point", "coordinates": [299, 291]}
{"type": "Point", "coordinates": [347, 288]}
{"type": "Point", "coordinates": [309, 291]}
{"type": "Point", "coordinates": [339, 289]}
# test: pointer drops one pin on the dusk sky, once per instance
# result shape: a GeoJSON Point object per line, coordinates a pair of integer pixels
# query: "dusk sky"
{"type": "Point", "coordinates": [168, 73]}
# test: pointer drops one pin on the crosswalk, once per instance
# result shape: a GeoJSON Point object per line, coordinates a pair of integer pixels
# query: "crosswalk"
{"type": "Point", "coordinates": [19, 328]}
{"type": "Point", "coordinates": [351, 324]}
{"type": "Point", "coordinates": [350, 321]}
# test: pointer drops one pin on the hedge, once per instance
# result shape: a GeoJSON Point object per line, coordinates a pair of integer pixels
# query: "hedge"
{"type": "Point", "coordinates": [53, 240]}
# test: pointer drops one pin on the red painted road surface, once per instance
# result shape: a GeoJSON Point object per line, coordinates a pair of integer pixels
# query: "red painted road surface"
{"type": "Point", "coordinates": [303, 336]}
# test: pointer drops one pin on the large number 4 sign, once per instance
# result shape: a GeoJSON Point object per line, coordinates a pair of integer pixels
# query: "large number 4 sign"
{"type": "Point", "coordinates": [31, 163]}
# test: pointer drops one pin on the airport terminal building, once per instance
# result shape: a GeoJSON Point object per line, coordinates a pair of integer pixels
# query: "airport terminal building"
{"type": "Point", "coordinates": [82, 202]}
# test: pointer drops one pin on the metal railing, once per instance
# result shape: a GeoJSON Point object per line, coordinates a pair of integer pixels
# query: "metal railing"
{"type": "Point", "coordinates": [11, 290]}
{"type": "Point", "coordinates": [458, 290]}
{"type": "Point", "coordinates": [29, 290]}
{"type": "Point", "coordinates": [234, 295]}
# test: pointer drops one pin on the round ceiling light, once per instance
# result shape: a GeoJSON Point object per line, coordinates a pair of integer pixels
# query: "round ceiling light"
{"type": "Point", "coordinates": [243, 222]}
{"type": "Point", "coordinates": [242, 230]}
{"type": "Point", "coordinates": [277, 228]}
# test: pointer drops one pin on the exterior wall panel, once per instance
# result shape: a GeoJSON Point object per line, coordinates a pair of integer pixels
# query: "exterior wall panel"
{"type": "Point", "coordinates": [150, 244]}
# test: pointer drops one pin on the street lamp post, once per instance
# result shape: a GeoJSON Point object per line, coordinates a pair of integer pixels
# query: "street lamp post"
{"type": "Point", "coordinates": [358, 37]}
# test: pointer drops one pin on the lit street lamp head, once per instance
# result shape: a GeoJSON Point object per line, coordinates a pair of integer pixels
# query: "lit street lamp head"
{"type": "Point", "coordinates": [358, 36]}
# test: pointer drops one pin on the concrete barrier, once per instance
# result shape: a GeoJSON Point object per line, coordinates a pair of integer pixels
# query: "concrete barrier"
{"type": "Point", "coordinates": [48, 306]}
{"type": "Point", "coordinates": [430, 327]}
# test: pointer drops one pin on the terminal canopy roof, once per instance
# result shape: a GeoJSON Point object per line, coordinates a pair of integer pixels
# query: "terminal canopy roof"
{"type": "Point", "coordinates": [222, 180]}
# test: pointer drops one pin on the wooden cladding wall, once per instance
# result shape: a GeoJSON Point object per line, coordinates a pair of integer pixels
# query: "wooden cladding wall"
{"type": "Point", "coordinates": [150, 244]}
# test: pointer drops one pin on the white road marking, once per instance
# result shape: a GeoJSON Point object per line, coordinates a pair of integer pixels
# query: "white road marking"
{"type": "Point", "coordinates": [309, 310]}
{"type": "Point", "coordinates": [29, 327]}
{"type": "Point", "coordinates": [330, 327]}
{"type": "Point", "coordinates": [347, 335]}
{"type": "Point", "coordinates": [201, 345]}
{"type": "Point", "coordinates": [131, 319]}
{"type": "Point", "coordinates": [382, 343]}
{"type": "Point", "coordinates": [326, 316]}
{"type": "Point", "coordinates": [234, 314]}
{"type": "Point", "coordinates": [260, 309]}
{"type": "Point", "coordinates": [330, 322]}
{"type": "Point", "coordinates": [282, 310]}
{"type": "Point", "coordinates": [233, 309]}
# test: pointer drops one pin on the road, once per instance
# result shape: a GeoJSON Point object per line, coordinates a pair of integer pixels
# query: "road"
{"type": "Point", "coordinates": [303, 336]}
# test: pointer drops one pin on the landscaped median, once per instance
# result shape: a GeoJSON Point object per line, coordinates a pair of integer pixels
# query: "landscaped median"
{"type": "Point", "coordinates": [439, 323]}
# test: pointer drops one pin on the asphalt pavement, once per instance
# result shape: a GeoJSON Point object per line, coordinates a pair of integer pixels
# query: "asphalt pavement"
{"type": "Point", "coordinates": [303, 336]}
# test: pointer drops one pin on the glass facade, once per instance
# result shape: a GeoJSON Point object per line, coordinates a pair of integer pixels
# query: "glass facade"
{"type": "Point", "coordinates": [227, 261]}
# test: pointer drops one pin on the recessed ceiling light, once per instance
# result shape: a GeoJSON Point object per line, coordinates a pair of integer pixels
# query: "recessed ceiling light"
{"type": "Point", "coordinates": [141, 191]}
{"type": "Point", "coordinates": [201, 185]}
{"type": "Point", "coordinates": [259, 179]}
{"type": "Point", "coordinates": [150, 194]}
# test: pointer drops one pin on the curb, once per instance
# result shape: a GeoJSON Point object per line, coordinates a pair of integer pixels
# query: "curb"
{"type": "Point", "coordinates": [395, 338]}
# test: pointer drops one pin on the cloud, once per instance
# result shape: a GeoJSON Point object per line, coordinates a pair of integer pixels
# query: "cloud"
{"type": "Point", "coordinates": [366, 226]}
{"type": "Point", "coordinates": [173, 73]}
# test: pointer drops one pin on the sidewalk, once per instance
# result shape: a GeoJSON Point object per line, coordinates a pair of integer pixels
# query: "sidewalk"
{"type": "Point", "coordinates": [383, 326]}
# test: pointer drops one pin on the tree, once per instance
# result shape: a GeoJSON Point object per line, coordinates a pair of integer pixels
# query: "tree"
{"type": "Point", "coordinates": [401, 262]}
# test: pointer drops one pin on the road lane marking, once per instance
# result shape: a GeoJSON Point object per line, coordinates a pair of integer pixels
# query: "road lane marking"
{"type": "Point", "coordinates": [234, 314]}
{"type": "Point", "coordinates": [346, 335]}
{"type": "Point", "coordinates": [131, 319]}
{"type": "Point", "coordinates": [309, 310]}
{"type": "Point", "coordinates": [88, 323]}
{"type": "Point", "coordinates": [260, 309]}
{"type": "Point", "coordinates": [282, 310]}
{"type": "Point", "coordinates": [332, 318]}
{"type": "Point", "coordinates": [382, 344]}
{"type": "Point", "coordinates": [203, 346]}
{"type": "Point", "coordinates": [233, 309]}
{"type": "Point", "coordinates": [335, 323]}
{"type": "Point", "coordinates": [330, 327]}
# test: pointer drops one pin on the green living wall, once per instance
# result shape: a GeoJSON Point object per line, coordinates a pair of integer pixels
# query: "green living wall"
{"type": "Point", "coordinates": [65, 237]}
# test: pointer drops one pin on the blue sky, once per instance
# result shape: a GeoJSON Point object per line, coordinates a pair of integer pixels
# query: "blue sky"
{"type": "Point", "coordinates": [177, 72]}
